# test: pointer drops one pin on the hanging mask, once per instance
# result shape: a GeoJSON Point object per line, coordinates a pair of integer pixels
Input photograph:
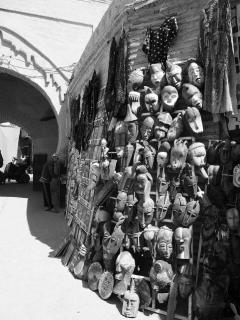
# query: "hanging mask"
{"type": "Point", "coordinates": [197, 154]}
{"type": "Point", "coordinates": [195, 74]}
{"type": "Point", "coordinates": [145, 211]}
{"type": "Point", "coordinates": [163, 154]}
{"type": "Point", "coordinates": [142, 184]}
{"type": "Point", "coordinates": [189, 181]}
{"type": "Point", "coordinates": [174, 75]}
{"type": "Point", "coordinates": [163, 203]}
{"type": "Point", "coordinates": [134, 101]}
{"type": "Point", "coordinates": [232, 217]}
{"type": "Point", "coordinates": [120, 138]}
{"type": "Point", "coordinates": [185, 213]}
{"type": "Point", "coordinates": [182, 237]}
{"type": "Point", "coordinates": [193, 121]}
{"type": "Point", "coordinates": [176, 128]}
{"type": "Point", "coordinates": [157, 74]}
{"type": "Point", "coordinates": [169, 96]}
{"type": "Point", "coordinates": [131, 126]}
{"type": "Point", "coordinates": [146, 129]}
{"type": "Point", "coordinates": [164, 247]}
{"type": "Point", "coordinates": [151, 101]}
{"type": "Point", "coordinates": [161, 275]}
{"type": "Point", "coordinates": [178, 155]}
{"type": "Point", "coordinates": [136, 79]}
{"type": "Point", "coordinates": [192, 95]}
{"type": "Point", "coordinates": [185, 281]}
{"type": "Point", "coordinates": [162, 125]}
{"type": "Point", "coordinates": [94, 175]}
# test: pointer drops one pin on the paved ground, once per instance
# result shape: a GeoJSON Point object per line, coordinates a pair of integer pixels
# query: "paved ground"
{"type": "Point", "coordinates": [33, 285]}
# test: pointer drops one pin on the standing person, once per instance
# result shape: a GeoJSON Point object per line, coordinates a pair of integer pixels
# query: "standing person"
{"type": "Point", "coordinates": [45, 180]}
{"type": "Point", "coordinates": [55, 173]}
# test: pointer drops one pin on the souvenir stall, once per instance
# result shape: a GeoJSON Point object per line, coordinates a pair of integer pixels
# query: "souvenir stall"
{"type": "Point", "coordinates": [154, 159]}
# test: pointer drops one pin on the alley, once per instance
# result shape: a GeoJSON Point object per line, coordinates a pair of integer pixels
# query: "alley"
{"type": "Point", "coordinates": [33, 284]}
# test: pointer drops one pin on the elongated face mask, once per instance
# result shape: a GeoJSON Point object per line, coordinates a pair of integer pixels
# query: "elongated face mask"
{"type": "Point", "coordinates": [195, 74]}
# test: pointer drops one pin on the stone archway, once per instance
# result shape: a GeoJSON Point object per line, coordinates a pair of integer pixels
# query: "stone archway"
{"type": "Point", "coordinates": [23, 61]}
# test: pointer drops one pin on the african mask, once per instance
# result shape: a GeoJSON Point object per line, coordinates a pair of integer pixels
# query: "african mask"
{"type": "Point", "coordinates": [174, 75]}
{"type": "Point", "coordinates": [185, 213]}
{"type": "Point", "coordinates": [121, 201]}
{"type": "Point", "coordinates": [192, 95]}
{"type": "Point", "coordinates": [125, 265]}
{"type": "Point", "coordinates": [157, 74]}
{"type": "Point", "coordinates": [143, 183]}
{"type": "Point", "coordinates": [182, 237]}
{"type": "Point", "coordinates": [197, 154]}
{"type": "Point", "coordinates": [161, 275]}
{"type": "Point", "coordinates": [178, 155]}
{"type": "Point", "coordinates": [130, 304]}
{"type": "Point", "coordinates": [193, 121]}
{"type": "Point", "coordinates": [151, 101]}
{"type": "Point", "coordinates": [94, 175]}
{"type": "Point", "coordinates": [169, 96]}
{"type": "Point", "coordinates": [163, 204]}
{"type": "Point", "coordinates": [163, 154]}
{"type": "Point", "coordinates": [134, 101]}
{"type": "Point", "coordinates": [176, 127]}
{"type": "Point", "coordinates": [120, 138]}
{"type": "Point", "coordinates": [185, 281]}
{"type": "Point", "coordinates": [195, 74]}
{"type": "Point", "coordinates": [162, 125]}
{"type": "Point", "coordinates": [232, 216]}
{"type": "Point", "coordinates": [149, 153]}
{"type": "Point", "coordinates": [136, 79]}
{"type": "Point", "coordinates": [146, 128]}
{"type": "Point", "coordinates": [164, 245]}
{"type": "Point", "coordinates": [145, 210]}
{"type": "Point", "coordinates": [131, 126]}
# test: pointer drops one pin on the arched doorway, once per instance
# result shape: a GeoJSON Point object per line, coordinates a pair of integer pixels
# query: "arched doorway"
{"type": "Point", "coordinates": [26, 106]}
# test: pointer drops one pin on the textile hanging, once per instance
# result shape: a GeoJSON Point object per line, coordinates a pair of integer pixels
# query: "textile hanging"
{"type": "Point", "coordinates": [157, 42]}
{"type": "Point", "coordinates": [217, 56]}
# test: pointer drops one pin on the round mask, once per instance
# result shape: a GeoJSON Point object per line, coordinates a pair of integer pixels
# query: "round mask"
{"type": "Point", "coordinates": [174, 75]}
{"type": "Point", "coordinates": [169, 96]}
{"type": "Point", "coordinates": [157, 74]}
{"type": "Point", "coordinates": [232, 217]}
{"type": "Point", "coordinates": [195, 74]}
{"type": "Point", "coordinates": [146, 128]}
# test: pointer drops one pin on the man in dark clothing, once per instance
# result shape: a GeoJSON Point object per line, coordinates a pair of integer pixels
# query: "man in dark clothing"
{"type": "Point", "coordinates": [45, 180]}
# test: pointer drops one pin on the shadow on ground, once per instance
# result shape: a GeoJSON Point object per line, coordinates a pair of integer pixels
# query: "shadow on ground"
{"type": "Point", "coordinates": [48, 227]}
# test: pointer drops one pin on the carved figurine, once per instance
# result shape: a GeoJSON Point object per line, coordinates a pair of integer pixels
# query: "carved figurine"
{"type": "Point", "coordinates": [161, 275]}
{"type": "Point", "coordinates": [162, 125]}
{"type": "Point", "coordinates": [125, 265]}
{"type": "Point", "coordinates": [130, 302]}
{"type": "Point", "coordinates": [169, 96]}
{"type": "Point", "coordinates": [174, 75]}
{"type": "Point", "coordinates": [112, 239]}
{"type": "Point", "coordinates": [151, 101]}
{"type": "Point", "coordinates": [192, 95]}
{"type": "Point", "coordinates": [163, 245]}
{"type": "Point", "coordinates": [195, 74]}
{"type": "Point", "coordinates": [182, 237]}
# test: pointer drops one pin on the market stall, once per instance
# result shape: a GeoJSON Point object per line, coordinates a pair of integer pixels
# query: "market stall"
{"type": "Point", "coordinates": [153, 169]}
